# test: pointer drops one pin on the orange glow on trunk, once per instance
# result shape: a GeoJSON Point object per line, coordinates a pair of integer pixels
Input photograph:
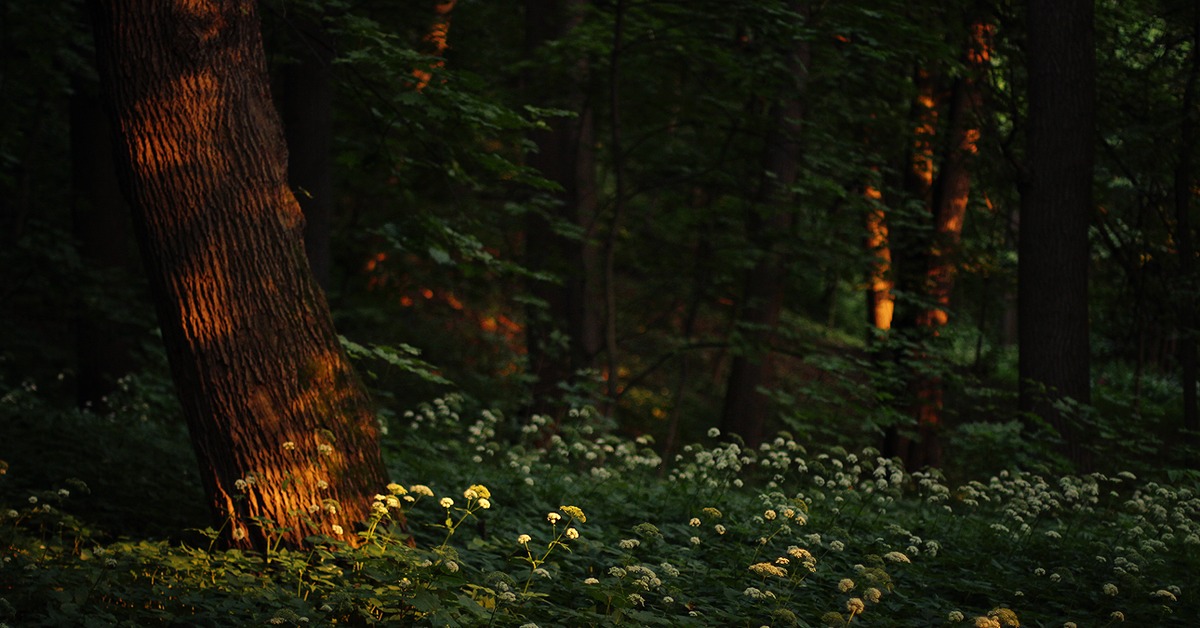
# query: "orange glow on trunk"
{"type": "Point", "coordinates": [438, 38]}
{"type": "Point", "coordinates": [882, 303]}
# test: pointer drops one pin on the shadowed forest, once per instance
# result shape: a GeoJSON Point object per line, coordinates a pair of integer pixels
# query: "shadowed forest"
{"type": "Point", "coordinates": [599, 312]}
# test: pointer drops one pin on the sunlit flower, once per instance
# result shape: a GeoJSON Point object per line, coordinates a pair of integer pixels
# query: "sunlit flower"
{"type": "Point", "coordinates": [451, 566]}
{"type": "Point", "coordinates": [855, 606]}
{"type": "Point", "coordinates": [695, 522]}
{"type": "Point", "coordinates": [322, 484]}
{"type": "Point", "coordinates": [695, 540]}
{"type": "Point", "coordinates": [767, 569]}
{"type": "Point", "coordinates": [325, 449]}
{"type": "Point", "coordinates": [239, 534]}
{"type": "Point", "coordinates": [636, 599]}
{"type": "Point", "coordinates": [523, 539]}
{"type": "Point", "coordinates": [712, 512]}
{"type": "Point", "coordinates": [289, 445]}
{"type": "Point", "coordinates": [590, 581]}
{"type": "Point", "coordinates": [421, 489]}
{"type": "Point", "coordinates": [337, 529]}
{"type": "Point", "coordinates": [446, 502]}
{"type": "Point", "coordinates": [628, 544]}
{"type": "Point", "coordinates": [719, 528]}
{"type": "Point", "coordinates": [987, 622]}
{"type": "Point", "coordinates": [553, 517]}
{"type": "Point", "coordinates": [897, 557]}
{"type": "Point", "coordinates": [873, 595]}
{"type": "Point", "coordinates": [769, 515]}
{"type": "Point", "coordinates": [572, 533]}
{"type": "Point", "coordinates": [845, 584]}
{"type": "Point", "coordinates": [396, 489]}
{"type": "Point", "coordinates": [485, 503]}
{"type": "Point", "coordinates": [574, 511]}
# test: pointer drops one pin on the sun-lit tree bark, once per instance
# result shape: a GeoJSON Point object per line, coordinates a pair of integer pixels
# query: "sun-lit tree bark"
{"type": "Point", "coordinates": [770, 222]}
{"type": "Point", "coordinates": [1056, 207]}
{"type": "Point", "coordinates": [565, 155]}
{"type": "Point", "coordinates": [285, 436]}
{"type": "Point", "coordinates": [437, 40]}
{"type": "Point", "coordinates": [881, 302]}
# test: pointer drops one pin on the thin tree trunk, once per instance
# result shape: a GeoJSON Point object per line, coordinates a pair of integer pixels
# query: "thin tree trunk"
{"type": "Point", "coordinates": [1056, 206]}
{"type": "Point", "coordinates": [285, 436]}
{"type": "Point", "coordinates": [1184, 184]}
{"type": "Point", "coordinates": [565, 156]}
{"type": "Point", "coordinates": [746, 407]}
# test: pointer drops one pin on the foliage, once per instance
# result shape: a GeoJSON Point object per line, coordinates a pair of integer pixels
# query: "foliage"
{"type": "Point", "coordinates": [519, 526]}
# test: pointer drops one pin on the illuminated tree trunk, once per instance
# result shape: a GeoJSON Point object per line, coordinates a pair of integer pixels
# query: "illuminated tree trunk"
{"type": "Point", "coordinates": [437, 40]}
{"type": "Point", "coordinates": [286, 440]}
{"type": "Point", "coordinates": [881, 302]}
{"type": "Point", "coordinates": [951, 194]}
{"type": "Point", "coordinates": [746, 407]}
{"type": "Point", "coordinates": [1056, 205]}
{"type": "Point", "coordinates": [574, 308]}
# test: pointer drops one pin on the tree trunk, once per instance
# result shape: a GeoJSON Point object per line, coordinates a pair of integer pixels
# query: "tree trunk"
{"type": "Point", "coordinates": [746, 408]}
{"type": "Point", "coordinates": [565, 156]}
{"type": "Point", "coordinates": [1184, 186]}
{"type": "Point", "coordinates": [286, 440]}
{"type": "Point", "coordinates": [1056, 205]}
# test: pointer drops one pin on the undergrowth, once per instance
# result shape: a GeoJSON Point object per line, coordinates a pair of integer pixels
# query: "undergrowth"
{"type": "Point", "coordinates": [490, 523]}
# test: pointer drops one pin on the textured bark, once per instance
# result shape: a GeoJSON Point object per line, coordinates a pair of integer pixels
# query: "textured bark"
{"type": "Point", "coordinates": [565, 156]}
{"type": "Point", "coordinates": [746, 408]}
{"type": "Point", "coordinates": [1056, 205]}
{"type": "Point", "coordinates": [254, 355]}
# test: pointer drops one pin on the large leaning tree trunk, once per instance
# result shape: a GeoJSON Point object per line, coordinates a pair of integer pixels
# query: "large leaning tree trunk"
{"type": "Point", "coordinates": [287, 443]}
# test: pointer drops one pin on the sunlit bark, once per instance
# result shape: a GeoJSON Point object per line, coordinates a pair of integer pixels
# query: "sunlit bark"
{"type": "Point", "coordinates": [438, 40]}
{"type": "Point", "coordinates": [881, 303]}
{"type": "Point", "coordinates": [285, 436]}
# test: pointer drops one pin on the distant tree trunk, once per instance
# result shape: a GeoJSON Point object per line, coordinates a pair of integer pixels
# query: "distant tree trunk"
{"type": "Point", "coordinates": [881, 302]}
{"type": "Point", "coordinates": [565, 155]}
{"type": "Point", "coordinates": [1056, 205]}
{"type": "Point", "coordinates": [285, 436]}
{"type": "Point", "coordinates": [1184, 191]}
{"type": "Point", "coordinates": [951, 194]}
{"type": "Point", "coordinates": [746, 408]}
{"type": "Point", "coordinates": [101, 223]}
{"type": "Point", "coordinates": [437, 41]}
{"type": "Point", "coordinates": [306, 107]}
